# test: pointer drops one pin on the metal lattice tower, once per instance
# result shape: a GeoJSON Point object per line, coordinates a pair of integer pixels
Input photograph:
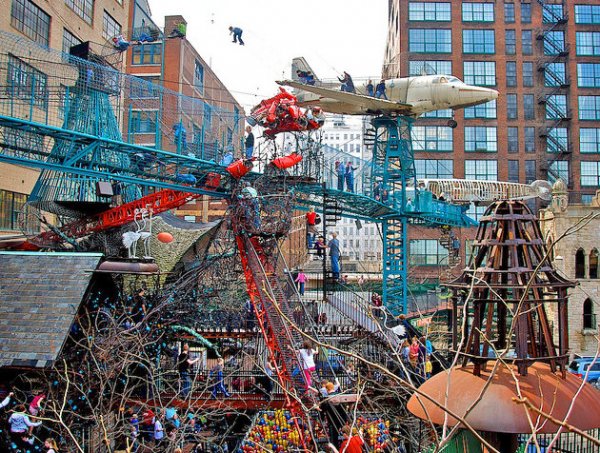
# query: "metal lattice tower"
{"type": "Point", "coordinates": [393, 167]}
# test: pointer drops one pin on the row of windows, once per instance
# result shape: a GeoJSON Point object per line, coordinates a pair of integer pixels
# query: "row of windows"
{"type": "Point", "coordinates": [488, 170]}
{"type": "Point", "coordinates": [30, 20]}
{"type": "Point", "coordinates": [484, 12]}
{"type": "Point", "coordinates": [475, 12]}
{"type": "Point", "coordinates": [427, 252]}
{"type": "Point", "coordinates": [426, 40]}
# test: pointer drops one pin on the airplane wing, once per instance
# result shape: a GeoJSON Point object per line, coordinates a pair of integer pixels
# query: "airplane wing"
{"type": "Point", "coordinates": [367, 102]}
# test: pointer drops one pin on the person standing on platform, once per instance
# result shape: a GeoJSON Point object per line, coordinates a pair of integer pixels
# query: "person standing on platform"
{"type": "Point", "coordinates": [349, 174]}
{"type": "Point", "coordinates": [249, 143]}
{"type": "Point", "coordinates": [301, 279]}
{"type": "Point", "coordinates": [311, 227]}
{"type": "Point", "coordinates": [340, 169]}
{"type": "Point", "coordinates": [334, 255]}
{"type": "Point", "coordinates": [370, 89]}
{"type": "Point", "coordinates": [183, 366]}
{"type": "Point", "coordinates": [380, 90]}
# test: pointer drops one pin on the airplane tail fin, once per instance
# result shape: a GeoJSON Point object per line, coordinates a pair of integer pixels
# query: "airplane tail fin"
{"type": "Point", "coordinates": [300, 67]}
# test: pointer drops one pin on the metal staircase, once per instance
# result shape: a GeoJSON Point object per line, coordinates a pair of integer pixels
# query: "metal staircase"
{"type": "Point", "coordinates": [556, 83]}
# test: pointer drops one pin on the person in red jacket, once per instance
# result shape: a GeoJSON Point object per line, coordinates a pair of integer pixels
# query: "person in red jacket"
{"type": "Point", "coordinates": [311, 227]}
{"type": "Point", "coordinates": [352, 443]}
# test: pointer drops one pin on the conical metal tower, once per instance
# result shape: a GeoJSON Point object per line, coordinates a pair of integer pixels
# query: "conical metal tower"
{"type": "Point", "coordinates": [502, 294]}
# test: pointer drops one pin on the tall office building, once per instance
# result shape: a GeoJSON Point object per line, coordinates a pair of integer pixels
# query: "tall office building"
{"type": "Point", "coordinates": [544, 59]}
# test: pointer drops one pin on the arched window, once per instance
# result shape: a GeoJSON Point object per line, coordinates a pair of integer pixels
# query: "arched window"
{"type": "Point", "coordinates": [593, 264]}
{"type": "Point", "coordinates": [589, 319]}
{"type": "Point", "coordinates": [580, 264]}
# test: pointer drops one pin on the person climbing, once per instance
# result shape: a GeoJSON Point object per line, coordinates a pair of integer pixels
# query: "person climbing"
{"type": "Point", "coordinates": [21, 427]}
{"type": "Point", "coordinates": [120, 43]}
{"type": "Point", "coordinates": [306, 77]}
{"type": "Point", "coordinates": [340, 169]}
{"type": "Point", "coordinates": [455, 244]}
{"type": "Point", "coordinates": [311, 227]}
{"type": "Point", "coordinates": [334, 255]}
{"type": "Point", "coordinates": [320, 246]}
{"type": "Point", "coordinates": [380, 90]}
{"type": "Point", "coordinates": [349, 175]}
{"type": "Point", "coordinates": [179, 31]}
{"type": "Point", "coordinates": [237, 34]}
{"type": "Point", "coordinates": [249, 143]}
{"type": "Point", "coordinates": [217, 374]}
{"type": "Point", "coordinates": [301, 279]}
{"type": "Point", "coordinates": [370, 89]}
{"type": "Point", "coordinates": [183, 366]}
{"type": "Point", "coordinates": [347, 83]}
{"type": "Point", "coordinates": [306, 357]}
{"type": "Point", "coordinates": [180, 136]}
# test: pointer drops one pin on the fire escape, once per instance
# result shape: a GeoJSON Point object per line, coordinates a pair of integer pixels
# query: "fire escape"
{"type": "Point", "coordinates": [555, 130]}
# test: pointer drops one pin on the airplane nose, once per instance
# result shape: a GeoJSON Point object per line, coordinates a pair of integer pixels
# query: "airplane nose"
{"type": "Point", "coordinates": [477, 95]}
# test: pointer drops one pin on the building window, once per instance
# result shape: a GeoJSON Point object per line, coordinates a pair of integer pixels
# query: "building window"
{"type": "Point", "coordinates": [511, 73]}
{"type": "Point", "coordinates": [478, 12]}
{"type": "Point", "coordinates": [528, 107]}
{"type": "Point", "coordinates": [429, 40]}
{"type": "Point", "coordinates": [25, 82]}
{"type": "Point", "coordinates": [510, 42]}
{"type": "Point", "coordinates": [487, 110]}
{"type": "Point", "coordinates": [589, 140]}
{"type": "Point", "coordinates": [554, 42]}
{"type": "Point", "coordinates": [590, 173]}
{"type": "Point", "coordinates": [530, 139]}
{"type": "Point", "coordinates": [69, 40]}
{"type": "Point", "coordinates": [530, 171]}
{"type": "Point", "coordinates": [580, 264]}
{"type": "Point", "coordinates": [552, 13]}
{"type": "Point", "coordinates": [558, 169]}
{"type": "Point", "coordinates": [513, 139]}
{"type": "Point", "coordinates": [110, 27]}
{"type": "Point", "coordinates": [420, 67]}
{"type": "Point", "coordinates": [434, 168]}
{"type": "Point", "coordinates": [509, 13]}
{"type": "Point", "coordinates": [199, 76]}
{"type": "Point", "coordinates": [143, 122]}
{"type": "Point", "coordinates": [476, 212]}
{"type": "Point", "coordinates": [148, 54]}
{"type": "Point", "coordinates": [481, 139]}
{"type": "Point", "coordinates": [427, 252]}
{"type": "Point", "coordinates": [593, 263]}
{"type": "Point", "coordinates": [511, 106]}
{"type": "Point", "coordinates": [83, 8]}
{"type": "Point", "coordinates": [587, 14]}
{"type": "Point", "coordinates": [421, 11]}
{"type": "Point", "coordinates": [445, 113]}
{"type": "Point", "coordinates": [11, 204]}
{"type": "Point", "coordinates": [589, 108]}
{"type": "Point", "coordinates": [144, 88]}
{"type": "Point", "coordinates": [526, 42]}
{"type": "Point", "coordinates": [555, 74]}
{"type": "Point", "coordinates": [483, 170]}
{"type": "Point", "coordinates": [513, 171]}
{"type": "Point", "coordinates": [480, 73]}
{"type": "Point", "coordinates": [479, 41]}
{"type": "Point", "coordinates": [588, 75]}
{"type": "Point", "coordinates": [527, 74]}
{"type": "Point", "coordinates": [557, 140]}
{"type": "Point", "coordinates": [526, 13]}
{"type": "Point", "coordinates": [432, 138]}
{"type": "Point", "coordinates": [30, 20]}
{"type": "Point", "coordinates": [587, 42]}
{"type": "Point", "coordinates": [556, 106]}
{"type": "Point", "coordinates": [589, 319]}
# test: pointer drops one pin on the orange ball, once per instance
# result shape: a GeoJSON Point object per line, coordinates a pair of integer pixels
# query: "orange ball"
{"type": "Point", "coordinates": [165, 237]}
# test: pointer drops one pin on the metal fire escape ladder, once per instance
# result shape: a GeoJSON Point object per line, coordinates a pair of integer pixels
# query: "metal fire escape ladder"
{"type": "Point", "coordinates": [554, 83]}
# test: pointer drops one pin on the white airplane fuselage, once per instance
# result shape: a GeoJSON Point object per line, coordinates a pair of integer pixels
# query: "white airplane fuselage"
{"type": "Point", "coordinates": [424, 94]}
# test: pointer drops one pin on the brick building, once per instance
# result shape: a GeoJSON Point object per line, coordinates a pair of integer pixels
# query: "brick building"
{"type": "Point", "coordinates": [544, 59]}
{"type": "Point", "coordinates": [57, 24]}
{"type": "Point", "coordinates": [573, 228]}
{"type": "Point", "coordinates": [207, 111]}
